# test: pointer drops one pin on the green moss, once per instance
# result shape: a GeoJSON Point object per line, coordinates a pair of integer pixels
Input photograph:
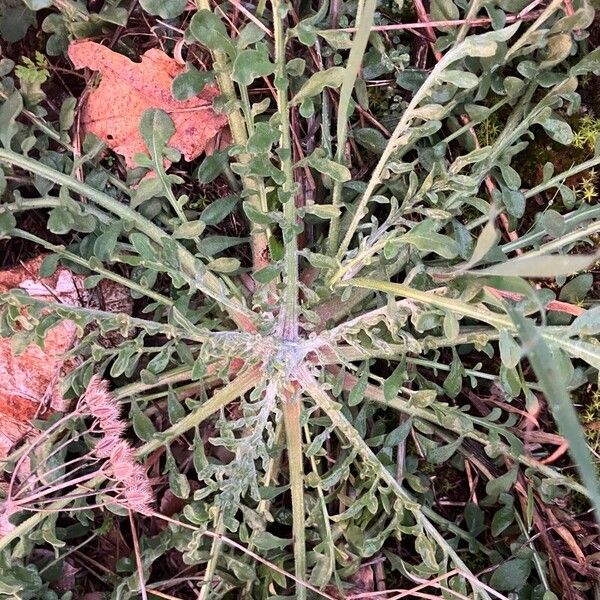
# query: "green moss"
{"type": "Point", "coordinates": [591, 416]}
{"type": "Point", "coordinates": [489, 130]}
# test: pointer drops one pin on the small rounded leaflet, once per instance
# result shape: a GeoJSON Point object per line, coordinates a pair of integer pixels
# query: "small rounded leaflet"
{"type": "Point", "coordinates": [112, 111]}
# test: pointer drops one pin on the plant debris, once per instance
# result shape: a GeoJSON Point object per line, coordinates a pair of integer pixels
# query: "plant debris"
{"type": "Point", "coordinates": [30, 379]}
{"type": "Point", "coordinates": [113, 110]}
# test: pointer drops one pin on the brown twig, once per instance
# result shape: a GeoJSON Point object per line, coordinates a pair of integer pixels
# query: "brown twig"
{"type": "Point", "coordinates": [560, 451]}
{"type": "Point", "coordinates": [569, 7]}
{"type": "Point", "coordinates": [424, 19]}
{"type": "Point", "coordinates": [162, 595]}
{"type": "Point", "coordinates": [138, 557]}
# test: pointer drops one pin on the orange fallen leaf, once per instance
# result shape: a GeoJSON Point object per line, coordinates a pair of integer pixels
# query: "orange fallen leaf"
{"type": "Point", "coordinates": [29, 381]}
{"type": "Point", "coordinates": [113, 110]}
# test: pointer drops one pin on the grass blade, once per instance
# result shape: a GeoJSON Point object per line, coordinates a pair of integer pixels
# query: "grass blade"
{"type": "Point", "coordinates": [351, 72]}
{"type": "Point", "coordinates": [563, 410]}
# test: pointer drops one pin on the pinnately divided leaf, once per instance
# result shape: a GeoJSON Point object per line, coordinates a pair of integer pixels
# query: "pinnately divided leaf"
{"type": "Point", "coordinates": [290, 251]}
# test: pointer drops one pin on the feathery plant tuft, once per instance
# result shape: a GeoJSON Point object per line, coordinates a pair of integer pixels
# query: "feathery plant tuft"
{"type": "Point", "coordinates": [314, 369]}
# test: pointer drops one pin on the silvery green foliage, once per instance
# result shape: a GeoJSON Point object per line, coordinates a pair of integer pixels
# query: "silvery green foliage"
{"type": "Point", "coordinates": [317, 389]}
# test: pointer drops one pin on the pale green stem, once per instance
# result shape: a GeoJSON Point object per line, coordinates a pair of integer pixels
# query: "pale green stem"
{"type": "Point", "coordinates": [471, 14]}
{"type": "Point", "coordinates": [241, 548]}
{"type": "Point", "coordinates": [162, 175]}
{"type": "Point", "coordinates": [237, 126]}
{"type": "Point", "coordinates": [516, 127]}
{"type": "Point", "coordinates": [571, 219]}
{"type": "Point", "coordinates": [391, 146]}
{"type": "Point", "coordinates": [176, 375]}
{"type": "Point", "coordinates": [560, 178]}
{"type": "Point", "coordinates": [54, 135]}
{"type": "Point", "coordinates": [62, 557]}
{"type": "Point", "coordinates": [455, 418]}
{"type": "Point", "coordinates": [261, 198]}
{"type": "Point", "coordinates": [328, 537]}
{"type": "Point", "coordinates": [191, 331]}
{"type": "Point", "coordinates": [124, 281]}
{"type": "Point", "coordinates": [215, 552]}
{"type": "Point", "coordinates": [263, 506]}
{"type": "Point", "coordinates": [230, 392]}
{"type": "Point", "coordinates": [366, 9]}
{"type": "Point", "coordinates": [260, 7]}
{"type": "Point", "coordinates": [551, 8]}
{"type": "Point", "coordinates": [569, 238]}
{"type": "Point", "coordinates": [292, 407]}
{"type": "Point", "coordinates": [354, 265]}
{"type": "Point", "coordinates": [288, 325]}
{"type": "Point", "coordinates": [433, 299]}
{"type": "Point", "coordinates": [49, 202]}
{"type": "Point", "coordinates": [238, 387]}
{"type": "Point", "coordinates": [472, 123]}
{"type": "Point", "coordinates": [123, 320]}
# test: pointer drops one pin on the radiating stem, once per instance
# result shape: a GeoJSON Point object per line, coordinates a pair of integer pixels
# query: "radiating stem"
{"type": "Point", "coordinates": [328, 537]}
{"type": "Point", "coordinates": [292, 408]}
{"type": "Point", "coordinates": [288, 326]}
{"type": "Point", "coordinates": [263, 506]}
{"type": "Point", "coordinates": [124, 281]}
{"type": "Point", "coordinates": [407, 116]}
{"type": "Point", "coordinates": [124, 320]}
{"type": "Point", "coordinates": [215, 552]}
{"type": "Point", "coordinates": [236, 388]}
{"type": "Point", "coordinates": [560, 178]}
{"type": "Point", "coordinates": [421, 513]}
{"type": "Point", "coordinates": [431, 298]}
{"type": "Point", "coordinates": [366, 10]}
{"type": "Point", "coordinates": [432, 415]}
{"type": "Point", "coordinates": [237, 126]}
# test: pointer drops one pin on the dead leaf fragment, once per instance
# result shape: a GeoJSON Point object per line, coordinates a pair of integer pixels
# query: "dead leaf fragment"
{"type": "Point", "coordinates": [30, 382]}
{"type": "Point", "coordinates": [113, 110]}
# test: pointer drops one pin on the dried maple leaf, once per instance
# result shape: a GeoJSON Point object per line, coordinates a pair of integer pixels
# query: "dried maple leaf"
{"type": "Point", "coordinates": [113, 110]}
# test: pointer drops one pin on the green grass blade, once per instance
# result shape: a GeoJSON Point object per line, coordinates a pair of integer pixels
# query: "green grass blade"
{"type": "Point", "coordinates": [367, 12]}
{"type": "Point", "coordinates": [354, 61]}
{"type": "Point", "coordinates": [560, 402]}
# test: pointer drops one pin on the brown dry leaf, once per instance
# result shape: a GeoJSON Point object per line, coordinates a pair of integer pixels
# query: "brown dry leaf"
{"type": "Point", "coordinates": [362, 583]}
{"type": "Point", "coordinates": [30, 382]}
{"type": "Point", "coordinates": [64, 580]}
{"type": "Point", "coordinates": [113, 110]}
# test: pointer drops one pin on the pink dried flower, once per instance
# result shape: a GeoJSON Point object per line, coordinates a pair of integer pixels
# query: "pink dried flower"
{"type": "Point", "coordinates": [98, 401]}
{"type": "Point", "coordinates": [138, 493]}
{"type": "Point", "coordinates": [104, 448]}
{"type": "Point", "coordinates": [114, 428]}
{"type": "Point", "coordinates": [122, 462]}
